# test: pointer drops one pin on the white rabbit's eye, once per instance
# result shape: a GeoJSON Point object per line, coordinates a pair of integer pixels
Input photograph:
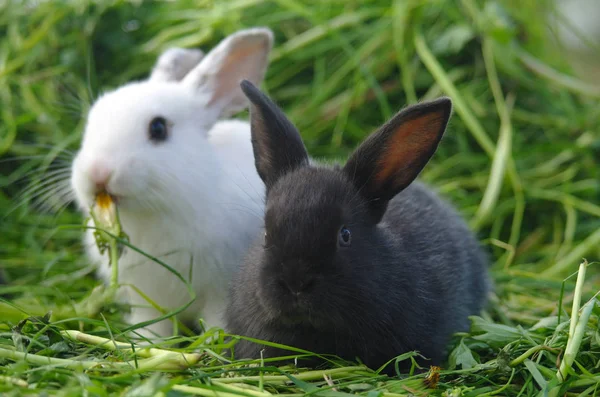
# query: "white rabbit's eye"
{"type": "Point", "coordinates": [158, 129]}
{"type": "Point", "coordinates": [344, 237]}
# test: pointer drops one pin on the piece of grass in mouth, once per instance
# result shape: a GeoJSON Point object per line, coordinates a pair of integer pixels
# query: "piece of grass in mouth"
{"type": "Point", "coordinates": [105, 214]}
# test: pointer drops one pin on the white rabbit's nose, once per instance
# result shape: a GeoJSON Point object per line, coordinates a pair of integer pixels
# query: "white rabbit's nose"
{"type": "Point", "coordinates": [100, 174]}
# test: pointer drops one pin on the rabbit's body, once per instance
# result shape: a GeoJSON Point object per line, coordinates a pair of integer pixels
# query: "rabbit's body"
{"type": "Point", "coordinates": [409, 263]}
{"type": "Point", "coordinates": [183, 180]}
{"type": "Point", "coordinates": [192, 233]}
{"type": "Point", "coordinates": [356, 261]}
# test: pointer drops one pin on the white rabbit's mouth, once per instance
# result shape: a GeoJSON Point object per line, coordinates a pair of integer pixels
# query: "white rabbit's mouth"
{"type": "Point", "coordinates": [97, 197]}
{"type": "Point", "coordinates": [105, 195]}
{"type": "Point", "coordinates": [124, 202]}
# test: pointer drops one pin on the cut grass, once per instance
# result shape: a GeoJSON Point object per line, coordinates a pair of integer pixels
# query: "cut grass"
{"type": "Point", "coordinates": [521, 161]}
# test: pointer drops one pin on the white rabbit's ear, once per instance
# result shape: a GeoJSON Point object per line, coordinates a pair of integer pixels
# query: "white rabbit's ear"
{"type": "Point", "coordinates": [243, 55]}
{"type": "Point", "coordinates": [175, 63]}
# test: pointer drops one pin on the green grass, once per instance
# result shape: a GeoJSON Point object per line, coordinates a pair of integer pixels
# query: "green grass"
{"type": "Point", "coordinates": [521, 160]}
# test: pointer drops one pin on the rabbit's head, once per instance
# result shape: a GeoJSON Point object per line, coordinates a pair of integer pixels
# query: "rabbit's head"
{"type": "Point", "coordinates": [323, 241]}
{"type": "Point", "coordinates": [145, 143]}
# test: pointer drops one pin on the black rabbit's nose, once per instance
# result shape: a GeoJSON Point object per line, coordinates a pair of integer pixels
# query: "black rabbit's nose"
{"type": "Point", "coordinates": [297, 285]}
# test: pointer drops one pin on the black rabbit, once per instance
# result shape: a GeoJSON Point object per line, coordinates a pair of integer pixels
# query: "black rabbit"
{"type": "Point", "coordinates": [357, 261]}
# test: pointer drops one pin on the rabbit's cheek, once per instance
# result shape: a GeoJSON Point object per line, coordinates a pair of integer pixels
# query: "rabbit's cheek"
{"type": "Point", "coordinates": [129, 178]}
{"type": "Point", "coordinates": [82, 187]}
{"type": "Point", "coordinates": [81, 181]}
{"type": "Point", "coordinates": [275, 299]}
{"type": "Point", "coordinates": [271, 304]}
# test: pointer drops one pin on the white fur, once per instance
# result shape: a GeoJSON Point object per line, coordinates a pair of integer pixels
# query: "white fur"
{"type": "Point", "coordinates": [175, 63]}
{"type": "Point", "coordinates": [195, 200]}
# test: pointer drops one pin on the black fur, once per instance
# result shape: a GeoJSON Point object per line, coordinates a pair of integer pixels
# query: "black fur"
{"type": "Point", "coordinates": [406, 282]}
{"type": "Point", "coordinates": [279, 152]}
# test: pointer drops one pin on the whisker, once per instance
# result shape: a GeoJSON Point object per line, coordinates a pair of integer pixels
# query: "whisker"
{"type": "Point", "coordinates": [64, 199]}
{"type": "Point", "coordinates": [59, 201]}
{"type": "Point", "coordinates": [74, 109]}
{"type": "Point", "coordinates": [243, 208]}
{"type": "Point", "coordinates": [53, 150]}
{"type": "Point", "coordinates": [29, 177]}
{"type": "Point", "coordinates": [41, 203]}
{"type": "Point", "coordinates": [48, 191]}
{"type": "Point", "coordinates": [32, 187]}
{"type": "Point", "coordinates": [261, 196]}
{"type": "Point", "coordinates": [46, 201]}
{"type": "Point", "coordinates": [47, 173]}
{"type": "Point", "coordinates": [166, 182]}
{"type": "Point", "coordinates": [58, 160]}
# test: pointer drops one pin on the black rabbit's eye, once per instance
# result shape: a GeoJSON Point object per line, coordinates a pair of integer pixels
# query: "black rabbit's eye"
{"type": "Point", "coordinates": [345, 237]}
{"type": "Point", "coordinates": [158, 129]}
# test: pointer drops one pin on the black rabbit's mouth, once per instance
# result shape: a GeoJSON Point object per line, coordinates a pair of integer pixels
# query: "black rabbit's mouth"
{"type": "Point", "coordinates": [302, 316]}
{"type": "Point", "coordinates": [291, 309]}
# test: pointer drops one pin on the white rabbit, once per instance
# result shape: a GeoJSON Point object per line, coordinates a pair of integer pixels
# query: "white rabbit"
{"type": "Point", "coordinates": [184, 182]}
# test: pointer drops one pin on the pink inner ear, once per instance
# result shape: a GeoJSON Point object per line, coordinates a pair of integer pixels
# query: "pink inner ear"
{"type": "Point", "coordinates": [408, 149]}
{"type": "Point", "coordinates": [236, 67]}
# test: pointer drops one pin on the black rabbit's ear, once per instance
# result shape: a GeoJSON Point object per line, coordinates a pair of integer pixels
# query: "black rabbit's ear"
{"type": "Point", "coordinates": [392, 157]}
{"type": "Point", "coordinates": [278, 148]}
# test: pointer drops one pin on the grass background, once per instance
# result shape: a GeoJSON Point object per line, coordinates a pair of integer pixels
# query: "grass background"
{"type": "Point", "coordinates": [521, 161]}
